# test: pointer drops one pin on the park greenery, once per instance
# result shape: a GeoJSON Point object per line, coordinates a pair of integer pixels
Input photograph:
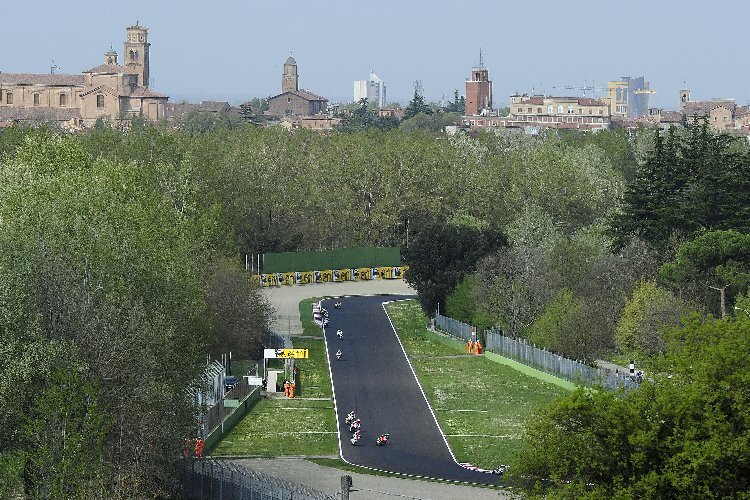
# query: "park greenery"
{"type": "Point", "coordinates": [120, 254]}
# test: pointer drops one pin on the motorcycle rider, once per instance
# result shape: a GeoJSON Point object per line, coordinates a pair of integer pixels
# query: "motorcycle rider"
{"type": "Point", "coordinates": [355, 425]}
{"type": "Point", "coordinates": [350, 417]}
{"type": "Point", "coordinates": [382, 440]}
{"type": "Point", "coordinates": [338, 354]}
{"type": "Point", "coordinates": [356, 437]}
{"type": "Point", "coordinates": [340, 334]}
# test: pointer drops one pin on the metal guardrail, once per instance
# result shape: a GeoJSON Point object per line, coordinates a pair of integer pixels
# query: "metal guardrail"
{"type": "Point", "coordinates": [209, 479]}
{"type": "Point", "coordinates": [541, 359]}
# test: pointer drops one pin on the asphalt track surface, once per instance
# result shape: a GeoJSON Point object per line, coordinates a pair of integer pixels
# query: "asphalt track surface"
{"type": "Point", "coordinates": [374, 378]}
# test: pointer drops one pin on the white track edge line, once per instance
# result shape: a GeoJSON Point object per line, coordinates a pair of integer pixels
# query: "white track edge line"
{"type": "Point", "coordinates": [434, 417]}
{"type": "Point", "coordinates": [335, 406]}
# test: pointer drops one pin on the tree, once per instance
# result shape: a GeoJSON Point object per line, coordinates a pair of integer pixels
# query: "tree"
{"type": "Point", "coordinates": [686, 185]}
{"type": "Point", "coordinates": [458, 105]}
{"type": "Point", "coordinates": [364, 117]}
{"type": "Point", "coordinates": [646, 316]}
{"type": "Point", "coordinates": [440, 255]}
{"type": "Point", "coordinates": [417, 104]}
{"type": "Point", "coordinates": [237, 311]}
{"type": "Point", "coordinates": [101, 262]}
{"type": "Point", "coordinates": [64, 432]}
{"type": "Point", "coordinates": [559, 328]}
{"type": "Point", "coordinates": [717, 260]}
{"type": "Point", "coordinates": [676, 436]}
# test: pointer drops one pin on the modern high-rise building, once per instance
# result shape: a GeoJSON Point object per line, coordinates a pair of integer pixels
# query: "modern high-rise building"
{"type": "Point", "coordinates": [629, 97]}
{"type": "Point", "coordinates": [478, 90]}
{"type": "Point", "coordinates": [373, 90]}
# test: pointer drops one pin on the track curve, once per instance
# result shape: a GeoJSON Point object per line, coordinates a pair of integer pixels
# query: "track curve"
{"type": "Point", "coordinates": [374, 378]}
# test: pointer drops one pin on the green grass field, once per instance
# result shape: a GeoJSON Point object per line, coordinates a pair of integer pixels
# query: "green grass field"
{"type": "Point", "coordinates": [481, 405]}
{"type": "Point", "coordinates": [279, 427]}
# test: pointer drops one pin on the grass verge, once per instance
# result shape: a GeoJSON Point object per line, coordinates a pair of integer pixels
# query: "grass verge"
{"type": "Point", "coordinates": [482, 405]}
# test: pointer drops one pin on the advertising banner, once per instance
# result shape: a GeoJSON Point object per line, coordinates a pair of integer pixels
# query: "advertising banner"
{"type": "Point", "coordinates": [285, 353]}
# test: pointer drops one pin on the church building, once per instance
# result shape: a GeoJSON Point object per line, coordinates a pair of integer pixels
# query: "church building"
{"type": "Point", "coordinates": [293, 102]}
{"type": "Point", "coordinates": [111, 90]}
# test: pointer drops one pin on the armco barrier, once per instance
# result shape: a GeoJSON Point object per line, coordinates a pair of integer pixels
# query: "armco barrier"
{"type": "Point", "coordinates": [541, 359]}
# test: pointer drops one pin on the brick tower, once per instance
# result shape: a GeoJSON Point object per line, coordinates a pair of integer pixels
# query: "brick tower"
{"type": "Point", "coordinates": [478, 89]}
{"type": "Point", "coordinates": [136, 52]}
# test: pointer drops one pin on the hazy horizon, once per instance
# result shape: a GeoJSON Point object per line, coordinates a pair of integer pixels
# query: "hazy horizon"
{"type": "Point", "coordinates": [236, 52]}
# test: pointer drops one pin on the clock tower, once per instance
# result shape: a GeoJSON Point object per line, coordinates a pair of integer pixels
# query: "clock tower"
{"type": "Point", "coordinates": [136, 52]}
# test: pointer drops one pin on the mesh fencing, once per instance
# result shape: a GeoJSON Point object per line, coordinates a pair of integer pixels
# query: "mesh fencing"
{"type": "Point", "coordinates": [541, 359]}
{"type": "Point", "coordinates": [209, 479]}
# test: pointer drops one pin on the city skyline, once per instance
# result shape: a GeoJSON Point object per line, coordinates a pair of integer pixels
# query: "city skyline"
{"type": "Point", "coordinates": [236, 52]}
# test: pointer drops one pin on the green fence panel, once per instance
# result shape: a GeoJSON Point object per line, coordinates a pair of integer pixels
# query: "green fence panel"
{"type": "Point", "coordinates": [342, 258]}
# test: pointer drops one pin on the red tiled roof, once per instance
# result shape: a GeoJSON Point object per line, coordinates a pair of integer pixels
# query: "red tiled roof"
{"type": "Point", "coordinates": [41, 79]}
{"type": "Point", "coordinates": [304, 94]}
{"type": "Point", "coordinates": [111, 69]}
{"type": "Point", "coordinates": [588, 101]}
{"type": "Point", "coordinates": [702, 108]}
{"type": "Point", "coordinates": [535, 100]}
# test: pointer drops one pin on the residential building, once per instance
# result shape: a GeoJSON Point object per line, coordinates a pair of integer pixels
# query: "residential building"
{"type": "Point", "coordinates": [373, 90]}
{"type": "Point", "coordinates": [536, 113]}
{"type": "Point", "coordinates": [560, 112]}
{"type": "Point", "coordinates": [721, 114]}
{"type": "Point", "coordinates": [112, 91]}
{"type": "Point", "coordinates": [293, 102]}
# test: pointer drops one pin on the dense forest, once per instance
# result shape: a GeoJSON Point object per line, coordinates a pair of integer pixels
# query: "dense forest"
{"type": "Point", "coordinates": [120, 254]}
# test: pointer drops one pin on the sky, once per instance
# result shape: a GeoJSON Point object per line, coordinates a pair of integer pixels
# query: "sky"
{"type": "Point", "coordinates": [235, 50]}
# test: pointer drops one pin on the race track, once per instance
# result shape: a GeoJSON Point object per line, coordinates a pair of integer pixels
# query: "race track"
{"type": "Point", "coordinates": [374, 378]}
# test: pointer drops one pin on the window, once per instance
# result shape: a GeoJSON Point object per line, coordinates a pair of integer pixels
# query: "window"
{"type": "Point", "coordinates": [520, 110]}
{"type": "Point", "coordinates": [528, 110]}
{"type": "Point", "coordinates": [570, 109]}
{"type": "Point", "coordinates": [550, 109]}
{"type": "Point", "coordinates": [37, 98]}
{"type": "Point", "coordinates": [539, 110]}
{"type": "Point", "coordinates": [560, 109]}
{"type": "Point", "coordinates": [134, 54]}
{"type": "Point", "coordinates": [9, 98]}
{"type": "Point", "coordinates": [100, 101]}
{"type": "Point", "coordinates": [289, 99]}
{"type": "Point", "coordinates": [63, 100]}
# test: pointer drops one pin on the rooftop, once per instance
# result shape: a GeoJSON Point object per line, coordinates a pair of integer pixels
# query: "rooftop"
{"type": "Point", "coordinates": [41, 79]}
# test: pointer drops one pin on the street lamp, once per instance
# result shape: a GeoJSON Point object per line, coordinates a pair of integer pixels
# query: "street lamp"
{"type": "Point", "coordinates": [743, 310]}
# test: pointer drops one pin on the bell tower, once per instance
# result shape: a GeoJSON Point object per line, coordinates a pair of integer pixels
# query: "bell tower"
{"type": "Point", "coordinates": [684, 98]}
{"type": "Point", "coordinates": [290, 78]}
{"type": "Point", "coordinates": [136, 52]}
{"type": "Point", "coordinates": [110, 57]}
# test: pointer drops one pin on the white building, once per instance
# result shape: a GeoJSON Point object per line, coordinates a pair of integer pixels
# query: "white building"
{"type": "Point", "coordinates": [373, 90]}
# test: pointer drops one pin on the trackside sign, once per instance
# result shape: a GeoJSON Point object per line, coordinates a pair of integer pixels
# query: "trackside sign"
{"type": "Point", "coordinates": [285, 353]}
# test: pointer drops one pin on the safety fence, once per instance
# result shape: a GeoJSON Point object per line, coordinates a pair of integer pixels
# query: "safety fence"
{"type": "Point", "coordinates": [541, 359]}
{"type": "Point", "coordinates": [330, 276]}
{"type": "Point", "coordinates": [207, 479]}
{"type": "Point", "coordinates": [228, 411]}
